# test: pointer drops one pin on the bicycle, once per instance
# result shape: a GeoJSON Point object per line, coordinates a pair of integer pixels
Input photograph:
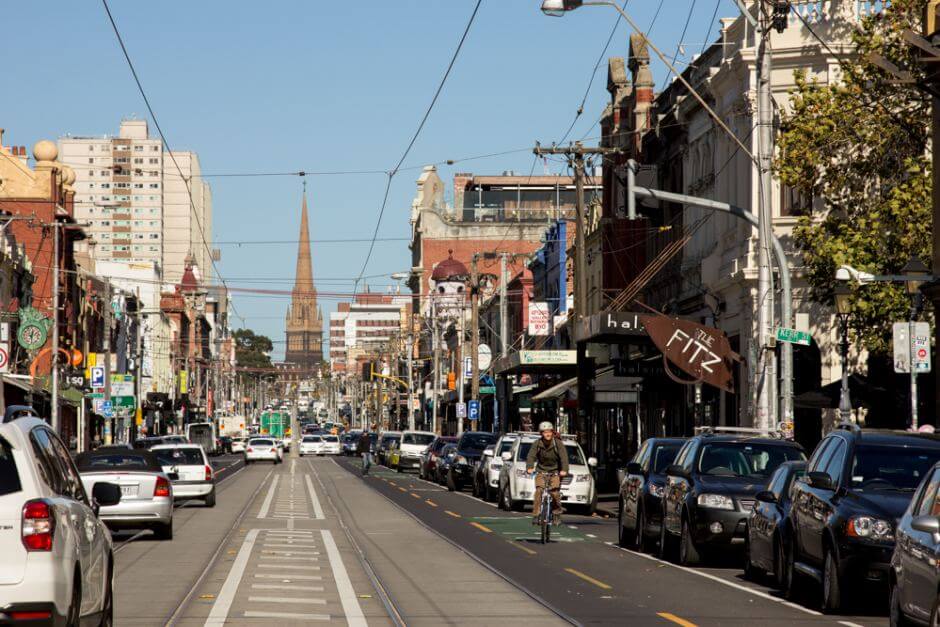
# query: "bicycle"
{"type": "Point", "coordinates": [546, 507]}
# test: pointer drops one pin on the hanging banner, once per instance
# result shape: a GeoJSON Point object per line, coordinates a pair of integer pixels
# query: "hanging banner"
{"type": "Point", "coordinates": [700, 351]}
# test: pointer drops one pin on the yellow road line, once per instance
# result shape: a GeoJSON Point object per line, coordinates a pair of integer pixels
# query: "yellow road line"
{"type": "Point", "coordinates": [588, 578]}
{"type": "Point", "coordinates": [450, 513]}
{"type": "Point", "coordinates": [431, 503]}
{"type": "Point", "coordinates": [402, 489]}
{"type": "Point", "coordinates": [522, 548]}
{"type": "Point", "coordinates": [675, 619]}
{"type": "Point", "coordinates": [417, 496]}
{"type": "Point", "coordinates": [482, 527]}
{"type": "Point", "coordinates": [390, 482]}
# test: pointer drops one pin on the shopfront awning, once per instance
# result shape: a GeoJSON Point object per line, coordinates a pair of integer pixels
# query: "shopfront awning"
{"type": "Point", "coordinates": [537, 362]}
{"type": "Point", "coordinates": [557, 390]}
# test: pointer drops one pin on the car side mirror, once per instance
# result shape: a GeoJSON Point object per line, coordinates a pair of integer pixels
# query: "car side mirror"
{"type": "Point", "coordinates": [820, 480]}
{"type": "Point", "coordinates": [766, 496]}
{"type": "Point", "coordinates": [926, 524]}
{"type": "Point", "coordinates": [592, 462]}
{"type": "Point", "coordinates": [506, 456]}
{"type": "Point", "coordinates": [106, 494]}
{"type": "Point", "coordinates": [489, 451]}
{"type": "Point", "coordinates": [633, 468]}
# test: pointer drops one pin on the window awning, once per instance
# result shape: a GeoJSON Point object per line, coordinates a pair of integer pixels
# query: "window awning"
{"type": "Point", "coordinates": [556, 390]}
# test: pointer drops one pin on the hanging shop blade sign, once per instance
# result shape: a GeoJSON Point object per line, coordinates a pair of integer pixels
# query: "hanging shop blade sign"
{"type": "Point", "coordinates": [701, 352]}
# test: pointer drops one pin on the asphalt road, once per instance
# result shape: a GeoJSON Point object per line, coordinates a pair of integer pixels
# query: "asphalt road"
{"type": "Point", "coordinates": [587, 578]}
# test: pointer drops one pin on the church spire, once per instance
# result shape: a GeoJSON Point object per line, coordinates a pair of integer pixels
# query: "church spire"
{"type": "Point", "coordinates": [303, 279]}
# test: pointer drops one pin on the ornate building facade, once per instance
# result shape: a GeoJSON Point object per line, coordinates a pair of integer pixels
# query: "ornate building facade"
{"type": "Point", "coordinates": [304, 318]}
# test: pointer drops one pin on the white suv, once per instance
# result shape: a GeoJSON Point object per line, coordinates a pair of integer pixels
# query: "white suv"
{"type": "Point", "coordinates": [486, 480]}
{"type": "Point", "coordinates": [57, 565]}
{"type": "Point", "coordinates": [516, 487]}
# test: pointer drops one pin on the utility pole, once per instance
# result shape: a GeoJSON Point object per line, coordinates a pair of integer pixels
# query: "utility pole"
{"type": "Point", "coordinates": [503, 307]}
{"type": "Point", "coordinates": [55, 328]}
{"type": "Point", "coordinates": [474, 330]}
{"type": "Point", "coordinates": [460, 368]}
{"type": "Point", "coordinates": [411, 382]}
{"type": "Point", "coordinates": [766, 406]}
{"type": "Point", "coordinates": [106, 346]}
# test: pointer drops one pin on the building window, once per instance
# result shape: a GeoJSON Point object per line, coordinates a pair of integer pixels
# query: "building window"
{"type": "Point", "coordinates": [154, 186]}
{"type": "Point", "coordinates": [795, 202]}
{"type": "Point", "coordinates": [91, 148]}
{"type": "Point", "coordinates": [154, 161]}
{"type": "Point", "coordinates": [154, 148]}
{"type": "Point", "coordinates": [154, 236]}
{"type": "Point", "coordinates": [138, 185]}
{"type": "Point", "coordinates": [90, 160]}
{"type": "Point", "coordinates": [138, 148]}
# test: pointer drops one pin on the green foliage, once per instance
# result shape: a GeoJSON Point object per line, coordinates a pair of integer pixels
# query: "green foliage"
{"type": "Point", "coordinates": [252, 350]}
{"type": "Point", "coordinates": [861, 146]}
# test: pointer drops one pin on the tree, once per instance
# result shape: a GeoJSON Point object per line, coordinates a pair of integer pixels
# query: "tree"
{"type": "Point", "coordinates": [860, 147]}
{"type": "Point", "coordinates": [252, 350]}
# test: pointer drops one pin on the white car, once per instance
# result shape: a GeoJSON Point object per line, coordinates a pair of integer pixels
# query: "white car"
{"type": "Point", "coordinates": [487, 485]}
{"type": "Point", "coordinates": [310, 445]}
{"type": "Point", "coordinates": [412, 446]}
{"type": "Point", "coordinates": [238, 445]}
{"type": "Point", "coordinates": [57, 565]}
{"type": "Point", "coordinates": [285, 443]}
{"type": "Point", "coordinates": [331, 445]}
{"type": "Point", "coordinates": [262, 450]}
{"type": "Point", "coordinates": [516, 487]}
{"type": "Point", "coordinates": [189, 470]}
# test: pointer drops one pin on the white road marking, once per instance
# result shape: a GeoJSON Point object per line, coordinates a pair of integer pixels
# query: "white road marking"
{"type": "Point", "coordinates": [288, 566]}
{"type": "Point", "coordinates": [288, 600]}
{"type": "Point", "coordinates": [317, 510]}
{"type": "Point", "coordinates": [290, 577]}
{"type": "Point", "coordinates": [268, 498]}
{"type": "Point", "coordinates": [848, 624]}
{"type": "Point", "coordinates": [290, 558]}
{"type": "Point", "coordinates": [223, 602]}
{"type": "Point", "coordinates": [287, 615]}
{"type": "Point", "coordinates": [347, 596]}
{"type": "Point", "coordinates": [281, 532]}
{"type": "Point", "coordinates": [289, 545]}
{"type": "Point", "coordinates": [283, 586]}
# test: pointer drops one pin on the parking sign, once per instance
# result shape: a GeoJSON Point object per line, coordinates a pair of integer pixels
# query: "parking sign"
{"type": "Point", "coordinates": [97, 377]}
{"type": "Point", "coordinates": [474, 410]}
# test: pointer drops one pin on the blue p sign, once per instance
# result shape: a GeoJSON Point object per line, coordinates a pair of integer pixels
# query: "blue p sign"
{"type": "Point", "coordinates": [473, 408]}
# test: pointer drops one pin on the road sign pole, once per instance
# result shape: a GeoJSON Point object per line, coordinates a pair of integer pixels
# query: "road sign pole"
{"type": "Point", "coordinates": [913, 356]}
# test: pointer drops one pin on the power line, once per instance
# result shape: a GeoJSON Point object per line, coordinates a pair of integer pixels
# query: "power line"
{"type": "Point", "coordinates": [685, 29]}
{"type": "Point", "coordinates": [414, 138]}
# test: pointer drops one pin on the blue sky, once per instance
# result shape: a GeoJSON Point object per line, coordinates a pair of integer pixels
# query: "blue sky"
{"type": "Point", "coordinates": [321, 86]}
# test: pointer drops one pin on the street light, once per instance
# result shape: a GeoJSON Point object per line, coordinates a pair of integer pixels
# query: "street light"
{"type": "Point", "coordinates": [843, 298]}
{"type": "Point", "coordinates": [557, 8]}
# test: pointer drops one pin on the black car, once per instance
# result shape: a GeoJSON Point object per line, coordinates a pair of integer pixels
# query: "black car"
{"type": "Point", "coordinates": [915, 578]}
{"type": "Point", "coordinates": [768, 529]}
{"type": "Point", "coordinates": [710, 490]}
{"type": "Point", "coordinates": [845, 510]}
{"type": "Point", "coordinates": [469, 450]}
{"type": "Point", "coordinates": [641, 492]}
{"type": "Point", "coordinates": [431, 457]}
{"type": "Point", "coordinates": [447, 457]}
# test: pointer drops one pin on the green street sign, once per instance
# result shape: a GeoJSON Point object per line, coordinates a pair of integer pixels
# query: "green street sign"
{"type": "Point", "coordinates": [487, 389]}
{"type": "Point", "coordinates": [793, 336]}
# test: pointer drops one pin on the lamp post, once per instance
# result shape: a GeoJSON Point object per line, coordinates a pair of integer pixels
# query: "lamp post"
{"type": "Point", "coordinates": [843, 298]}
{"type": "Point", "coordinates": [916, 274]}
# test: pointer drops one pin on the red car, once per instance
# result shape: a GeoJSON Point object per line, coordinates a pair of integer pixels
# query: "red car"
{"type": "Point", "coordinates": [427, 469]}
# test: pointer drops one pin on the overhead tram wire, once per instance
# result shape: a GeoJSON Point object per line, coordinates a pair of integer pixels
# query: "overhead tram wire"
{"type": "Point", "coordinates": [685, 29]}
{"type": "Point", "coordinates": [156, 123]}
{"type": "Point", "coordinates": [414, 138]}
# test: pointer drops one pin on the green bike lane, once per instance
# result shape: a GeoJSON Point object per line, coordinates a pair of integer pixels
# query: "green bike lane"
{"type": "Point", "coordinates": [582, 574]}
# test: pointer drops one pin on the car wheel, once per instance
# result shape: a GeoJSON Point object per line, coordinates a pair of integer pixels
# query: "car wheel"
{"type": "Point", "coordinates": [688, 553]}
{"type": "Point", "coordinates": [832, 590]}
{"type": "Point", "coordinates": [641, 543]}
{"type": "Point", "coordinates": [750, 571]}
{"type": "Point", "coordinates": [164, 532]}
{"type": "Point", "coordinates": [792, 580]}
{"type": "Point", "coordinates": [896, 617]}
{"type": "Point", "coordinates": [475, 488]}
{"type": "Point", "coordinates": [935, 613]}
{"type": "Point", "coordinates": [665, 543]}
{"type": "Point", "coordinates": [210, 499]}
{"type": "Point", "coordinates": [489, 494]}
{"type": "Point", "coordinates": [624, 539]}
{"type": "Point", "coordinates": [74, 616]}
{"type": "Point", "coordinates": [780, 561]}
{"type": "Point", "coordinates": [107, 612]}
{"type": "Point", "coordinates": [398, 468]}
{"type": "Point", "coordinates": [452, 485]}
{"type": "Point", "coordinates": [508, 505]}
{"type": "Point", "coordinates": [591, 507]}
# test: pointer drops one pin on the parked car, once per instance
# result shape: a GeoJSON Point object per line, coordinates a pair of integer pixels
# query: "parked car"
{"type": "Point", "coordinates": [914, 576]}
{"type": "Point", "coordinates": [148, 442]}
{"type": "Point", "coordinates": [331, 445]}
{"type": "Point", "coordinates": [238, 445]}
{"type": "Point", "coordinates": [384, 440]}
{"type": "Point", "coordinates": [174, 439]}
{"type": "Point", "coordinates": [310, 445]}
{"type": "Point", "coordinates": [263, 449]}
{"type": "Point", "coordinates": [393, 454]}
{"type": "Point", "coordinates": [350, 441]}
{"type": "Point", "coordinates": [57, 565]}
{"type": "Point", "coordinates": [431, 456]}
{"type": "Point", "coordinates": [767, 533]}
{"type": "Point", "coordinates": [486, 474]}
{"type": "Point", "coordinates": [412, 447]}
{"type": "Point", "coordinates": [516, 487]}
{"type": "Point", "coordinates": [444, 461]}
{"type": "Point", "coordinates": [146, 490]}
{"type": "Point", "coordinates": [857, 485]}
{"type": "Point", "coordinates": [469, 451]}
{"type": "Point", "coordinates": [285, 443]}
{"type": "Point", "coordinates": [189, 470]}
{"type": "Point", "coordinates": [711, 487]}
{"type": "Point", "coordinates": [640, 511]}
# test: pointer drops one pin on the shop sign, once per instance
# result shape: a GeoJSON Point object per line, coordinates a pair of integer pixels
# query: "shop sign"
{"type": "Point", "coordinates": [700, 351]}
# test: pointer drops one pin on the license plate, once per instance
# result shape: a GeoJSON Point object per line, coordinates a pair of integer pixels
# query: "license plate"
{"type": "Point", "coordinates": [128, 490]}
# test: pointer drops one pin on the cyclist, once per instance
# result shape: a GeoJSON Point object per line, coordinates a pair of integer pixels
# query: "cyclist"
{"type": "Point", "coordinates": [547, 455]}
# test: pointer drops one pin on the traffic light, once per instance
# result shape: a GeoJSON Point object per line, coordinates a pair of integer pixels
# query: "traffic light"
{"type": "Point", "coordinates": [932, 18]}
{"type": "Point", "coordinates": [451, 381]}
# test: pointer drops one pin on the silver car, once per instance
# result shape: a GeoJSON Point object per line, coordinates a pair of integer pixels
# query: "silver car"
{"type": "Point", "coordinates": [146, 491]}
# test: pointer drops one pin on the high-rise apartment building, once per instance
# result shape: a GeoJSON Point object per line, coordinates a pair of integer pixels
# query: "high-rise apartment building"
{"type": "Point", "coordinates": [130, 193]}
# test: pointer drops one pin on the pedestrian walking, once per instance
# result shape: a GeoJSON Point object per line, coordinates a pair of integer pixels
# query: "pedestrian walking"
{"type": "Point", "coordinates": [364, 449]}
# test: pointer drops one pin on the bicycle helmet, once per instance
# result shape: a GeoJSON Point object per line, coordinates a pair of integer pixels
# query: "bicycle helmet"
{"type": "Point", "coordinates": [546, 426]}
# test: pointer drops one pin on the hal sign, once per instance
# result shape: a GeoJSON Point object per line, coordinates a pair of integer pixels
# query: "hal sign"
{"type": "Point", "coordinates": [700, 351]}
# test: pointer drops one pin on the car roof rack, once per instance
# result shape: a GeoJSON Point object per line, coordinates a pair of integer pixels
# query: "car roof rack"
{"type": "Point", "coordinates": [752, 431]}
{"type": "Point", "coordinates": [570, 437]}
{"type": "Point", "coordinates": [13, 412]}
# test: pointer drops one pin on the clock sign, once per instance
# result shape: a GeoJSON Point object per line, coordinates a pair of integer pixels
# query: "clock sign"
{"type": "Point", "coordinates": [34, 328]}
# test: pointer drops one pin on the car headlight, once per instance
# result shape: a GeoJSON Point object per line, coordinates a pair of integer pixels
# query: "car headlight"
{"type": "Point", "coordinates": [582, 478]}
{"type": "Point", "coordinates": [657, 490]}
{"type": "Point", "coordinates": [461, 459]}
{"type": "Point", "coordinates": [871, 528]}
{"type": "Point", "coordinates": [715, 501]}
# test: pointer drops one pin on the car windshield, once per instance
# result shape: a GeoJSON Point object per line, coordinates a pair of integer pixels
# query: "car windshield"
{"type": "Point", "coordinates": [745, 459]}
{"type": "Point", "coordinates": [179, 456]}
{"type": "Point", "coordinates": [130, 460]}
{"type": "Point", "coordinates": [312, 438]}
{"type": "Point", "coordinates": [477, 441]}
{"type": "Point", "coordinates": [330, 438]}
{"type": "Point", "coordinates": [663, 455]}
{"type": "Point", "coordinates": [261, 443]}
{"type": "Point", "coordinates": [891, 467]}
{"type": "Point", "coordinates": [575, 456]}
{"type": "Point", "coordinates": [505, 446]}
{"type": "Point", "coordinates": [9, 476]}
{"type": "Point", "coordinates": [418, 438]}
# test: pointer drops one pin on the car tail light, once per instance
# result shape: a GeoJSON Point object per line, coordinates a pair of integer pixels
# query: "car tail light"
{"type": "Point", "coordinates": [31, 615]}
{"type": "Point", "coordinates": [208, 473]}
{"type": "Point", "coordinates": [251, 450]}
{"type": "Point", "coordinates": [38, 525]}
{"type": "Point", "coordinates": [274, 450]}
{"type": "Point", "coordinates": [162, 488]}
